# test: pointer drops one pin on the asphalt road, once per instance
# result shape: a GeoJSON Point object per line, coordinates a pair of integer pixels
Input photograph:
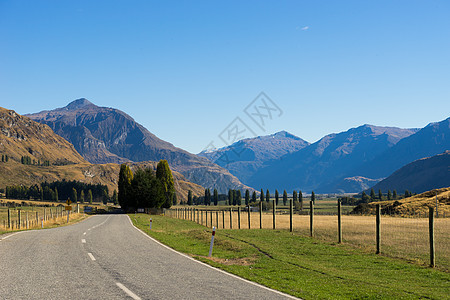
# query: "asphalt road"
{"type": "Point", "coordinates": [106, 257]}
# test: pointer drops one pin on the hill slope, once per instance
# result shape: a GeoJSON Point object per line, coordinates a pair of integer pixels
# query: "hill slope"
{"type": "Point", "coordinates": [245, 157]}
{"type": "Point", "coordinates": [332, 157]}
{"type": "Point", "coordinates": [429, 141]}
{"type": "Point", "coordinates": [419, 176]}
{"type": "Point", "coordinates": [20, 136]}
{"type": "Point", "coordinates": [418, 204]}
{"type": "Point", "coordinates": [103, 135]}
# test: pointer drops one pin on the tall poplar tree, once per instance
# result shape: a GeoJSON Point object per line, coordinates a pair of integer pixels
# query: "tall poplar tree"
{"type": "Point", "coordinates": [247, 197]}
{"type": "Point", "coordinates": [164, 175]}
{"type": "Point", "coordinates": [73, 196]}
{"type": "Point", "coordinates": [124, 185]}
{"type": "Point", "coordinates": [285, 197]}
{"type": "Point", "coordinates": [90, 197]}
{"type": "Point", "coordinates": [82, 197]}
{"type": "Point", "coordinates": [230, 197]}
{"type": "Point", "coordinates": [254, 196]}
{"type": "Point", "coordinates": [216, 197]}
{"type": "Point", "coordinates": [189, 201]}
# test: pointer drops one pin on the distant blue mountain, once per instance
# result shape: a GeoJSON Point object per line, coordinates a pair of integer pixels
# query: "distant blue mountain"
{"type": "Point", "coordinates": [245, 157]}
{"type": "Point", "coordinates": [419, 176]}
{"type": "Point", "coordinates": [333, 157]}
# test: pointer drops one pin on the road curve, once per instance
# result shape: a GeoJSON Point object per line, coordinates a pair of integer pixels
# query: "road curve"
{"type": "Point", "coordinates": [106, 257]}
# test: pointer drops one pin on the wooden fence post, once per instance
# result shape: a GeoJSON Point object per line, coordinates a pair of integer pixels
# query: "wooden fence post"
{"type": "Point", "coordinates": [201, 217]}
{"type": "Point", "coordinates": [231, 218]}
{"type": "Point", "coordinates": [431, 228]}
{"type": "Point", "coordinates": [9, 218]}
{"type": "Point", "coordinates": [378, 228]}
{"type": "Point", "coordinates": [260, 214]}
{"type": "Point", "coordinates": [206, 217]}
{"type": "Point", "coordinates": [249, 226]}
{"type": "Point", "coordinates": [274, 212]}
{"type": "Point", "coordinates": [27, 221]}
{"type": "Point", "coordinates": [239, 217]}
{"type": "Point", "coordinates": [19, 222]}
{"type": "Point", "coordinates": [291, 212]}
{"type": "Point", "coordinates": [223, 219]}
{"type": "Point", "coordinates": [311, 218]}
{"type": "Point", "coordinates": [339, 222]}
{"type": "Point", "coordinates": [217, 219]}
{"type": "Point", "coordinates": [211, 218]}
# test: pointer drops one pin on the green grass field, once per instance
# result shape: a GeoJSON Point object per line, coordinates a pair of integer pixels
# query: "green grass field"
{"type": "Point", "coordinates": [300, 266]}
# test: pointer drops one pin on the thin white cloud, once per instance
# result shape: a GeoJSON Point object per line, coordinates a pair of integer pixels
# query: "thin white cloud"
{"type": "Point", "coordinates": [304, 28]}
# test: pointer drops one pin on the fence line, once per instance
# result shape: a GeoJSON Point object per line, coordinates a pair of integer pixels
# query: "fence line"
{"type": "Point", "coordinates": [419, 238]}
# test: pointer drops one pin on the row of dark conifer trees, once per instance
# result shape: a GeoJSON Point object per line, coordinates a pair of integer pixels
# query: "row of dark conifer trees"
{"type": "Point", "coordinates": [60, 191]}
{"type": "Point", "coordinates": [234, 197]}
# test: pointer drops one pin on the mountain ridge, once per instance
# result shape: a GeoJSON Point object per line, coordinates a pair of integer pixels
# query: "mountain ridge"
{"type": "Point", "coordinates": [332, 157]}
{"type": "Point", "coordinates": [20, 136]}
{"type": "Point", "coordinates": [246, 156]}
{"type": "Point", "coordinates": [104, 135]}
{"type": "Point", "coordinates": [419, 176]}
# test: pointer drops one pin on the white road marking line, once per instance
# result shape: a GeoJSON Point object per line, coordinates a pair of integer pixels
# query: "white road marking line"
{"type": "Point", "coordinates": [91, 256]}
{"type": "Point", "coordinates": [129, 293]}
{"type": "Point", "coordinates": [84, 233]}
{"type": "Point", "coordinates": [89, 229]}
{"type": "Point", "coordinates": [12, 234]}
{"type": "Point", "coordinates": [83, 241]}
{"type": "Point", "coordinates": [211, 267]}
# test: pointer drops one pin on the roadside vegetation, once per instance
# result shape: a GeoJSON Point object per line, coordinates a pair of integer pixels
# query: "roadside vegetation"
{"type": "Point", "coordinates": [34, 211]}
{"type": "Point", "coordinates": [297, 265]}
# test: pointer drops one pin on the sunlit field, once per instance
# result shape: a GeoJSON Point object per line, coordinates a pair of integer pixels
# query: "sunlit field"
{"type": "Point", "coordinates": [401, 237]}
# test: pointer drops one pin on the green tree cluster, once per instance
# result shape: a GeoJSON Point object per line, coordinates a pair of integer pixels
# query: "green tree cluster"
{"type": "Point", "coordinates": [144, 188]}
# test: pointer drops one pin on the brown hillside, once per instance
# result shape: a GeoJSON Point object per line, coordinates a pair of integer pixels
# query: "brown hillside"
{"type": "Point", "coordinates": [21, 136]}
{"type": "Point", "coordinates": [417, 204]}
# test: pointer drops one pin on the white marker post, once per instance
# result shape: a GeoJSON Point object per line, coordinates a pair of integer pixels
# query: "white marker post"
{"type": "Point", "coordinates": [42, 222]}
{"type": "Point", "coordinates": [151, 224]}
{"type": "Point", "coordinates": [212, 241]}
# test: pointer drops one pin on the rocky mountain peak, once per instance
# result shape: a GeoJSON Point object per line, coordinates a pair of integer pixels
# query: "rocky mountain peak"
{"type": "Point", "coordinates": [79, 103]}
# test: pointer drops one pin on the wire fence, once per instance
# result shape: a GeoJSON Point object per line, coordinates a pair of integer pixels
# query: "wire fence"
{"type": "Point", "coordinates": [29, 217]}
{"type": "Point", "coordinates": [406, 237]}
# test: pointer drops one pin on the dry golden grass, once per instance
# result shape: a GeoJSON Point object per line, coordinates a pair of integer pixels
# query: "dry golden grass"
{"type": "Point", "coordinates": [35, 223]}
{"type": "Point", "coordinates": [418, 204]}
{"type": "Point", "coordinates": [406, 238]}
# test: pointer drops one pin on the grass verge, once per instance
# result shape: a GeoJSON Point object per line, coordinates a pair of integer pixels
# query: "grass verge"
{"type": "Point", "coordinates": [303, 267]}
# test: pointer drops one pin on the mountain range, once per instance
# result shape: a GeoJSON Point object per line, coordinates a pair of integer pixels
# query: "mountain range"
{"type": "Point", "coordinates": [346, 162]}
{"type": "Point", "coordinates": [23, 137]}
{"type": "Point", "coordinates": [245, 157]}
{"type": "Point", "coordinates": [419, 176]}
{"type": "Point", "coordinates": [104, 135]}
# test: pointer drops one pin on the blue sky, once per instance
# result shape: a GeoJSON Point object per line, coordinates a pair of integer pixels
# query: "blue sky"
{"type": "Point", "coordinates": [186, 69]}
